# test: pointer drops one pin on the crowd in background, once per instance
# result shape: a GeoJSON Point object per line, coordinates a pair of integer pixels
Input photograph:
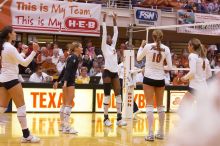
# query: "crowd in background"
{"type": "Point", "coordinates": [50, 61]}
{"type": "Point", "coordinates": [198, 6]}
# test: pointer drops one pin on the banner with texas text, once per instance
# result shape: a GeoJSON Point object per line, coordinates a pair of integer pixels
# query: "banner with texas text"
{"type": "Point", "coordinates": [190, 18]}
{"type": "Point", "coordinates": [53, 17]}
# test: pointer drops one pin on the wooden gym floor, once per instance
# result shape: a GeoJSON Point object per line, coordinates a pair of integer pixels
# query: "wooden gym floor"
{"type": "Point", "coordinates": [90, 127]}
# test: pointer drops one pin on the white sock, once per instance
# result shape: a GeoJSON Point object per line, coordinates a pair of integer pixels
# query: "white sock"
{"type": "Point", "coordinates": [66, 113]}
{"type": "Point", "coordinates": [150, 119]}
{"type": "Point", "coordinates": [161, 114]}
{"type": "Point", "coordinates": [118, 104]}
{"type": "Point", "coordinates": [21, 114]}
{"type": "Point", "coordinates": [62, 115]}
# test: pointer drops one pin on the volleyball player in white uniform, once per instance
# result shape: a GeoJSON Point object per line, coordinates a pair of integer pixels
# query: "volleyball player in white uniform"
{"type": "Point", "coordinates": [10, 87]}
{"type": "Point", "coordinates": [110, 74]}
{"type": "Point", "coordinates": [200, 70]}
{"type": "Point", "coordinates": [154, 83]}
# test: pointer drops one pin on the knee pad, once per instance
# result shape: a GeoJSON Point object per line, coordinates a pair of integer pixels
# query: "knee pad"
{"type": "Point", "coordinates": [106, 100]}
{"type": "Point", "coordinates": [21, 111]}
{"type": "Point", "coordinates": [118, 99]}
{"type": "Point", "coordinates": [160, 109]}
{"type": "Point", "coordinates": [107, 89]}
{"type": "Point", "coordinates": [2, 110]}
{"type": "Point", "coordinates": [149, 109]}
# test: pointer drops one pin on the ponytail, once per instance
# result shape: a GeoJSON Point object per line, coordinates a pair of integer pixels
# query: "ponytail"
{"type": "Point", "coordinates": [202, 54]}
{"type": "Point", "coordinates": [199, 48]}
{"type": "Point", "coordinates": [157, 37]}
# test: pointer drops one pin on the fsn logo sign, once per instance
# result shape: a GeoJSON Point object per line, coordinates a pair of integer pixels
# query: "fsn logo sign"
{"type": "Point", "coordinates": [81, 23]}
{"type": "Point", "coordinates": [147, 15]}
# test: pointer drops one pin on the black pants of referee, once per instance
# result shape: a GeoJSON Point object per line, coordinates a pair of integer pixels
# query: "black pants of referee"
{"type": "Point", "coordinates": [135, 107]}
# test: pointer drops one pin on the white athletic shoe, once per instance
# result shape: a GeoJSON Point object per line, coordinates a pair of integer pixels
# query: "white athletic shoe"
{"type": "Point", "coordinates": [30, 139]}
{"type": "Point", "coordinates": [121, 123]}
{"type": "Point", "coordinates": [61, 127]}
{"type": "Point", "coordinates": [149, 138]}
{"type": "Point", "coordinates": [159, 136]}
{"type": "Point", "coordinates": [69, 130]}
{"type": "Point", "coordinates": [107, 123]}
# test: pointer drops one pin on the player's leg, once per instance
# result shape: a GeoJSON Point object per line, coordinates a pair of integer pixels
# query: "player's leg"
{"type": "Point", "coordinates": [15, 91]}
{"type": "Point", "coordinates": [69, 95]}
{"type": "Point", "coordinates": [149, 94]}
{"type": "Point", "coordinates": [4, 100]}
{"type": "Point", "coordinates": [117, 90]}
{"type": "Point", "coordinates": [159, 92]}
{"type": "Point", "coordinates": [107, 90]}
{"type": "Point", "coordinates": [62, 109]}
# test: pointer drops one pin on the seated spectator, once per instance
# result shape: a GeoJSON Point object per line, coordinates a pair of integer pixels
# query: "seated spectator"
{"type": "Point", "coordinates": [49, 67]}
{"type": "Point", "coordinates": [93, 70]}
{"type": "Point", "coordinates": [55, 46]}
{"type": "Point", "coordinates": [213, 7]}
{"type": "Point", "coordinates": [39, 76]}
{"type": "Point", "coordinates": [83, 78]}
{"type": "Point", "coordinates": [202, 7]}
{"type": "Point", "coordinates": [24, 50]}
{"type": "Point", "coordinates": [167, 77]}
{"type": "Point", "coordinates": [55, 57]}
{"type": "Point", "coordinates": [43, 55]}
{"type": "Point", "coordinates": [177, 80]}
{"type": "Point", "coordinates": [87, 62]}
{"type": "Point", "coordinates": [99, 73]}
{"type": "Point", "coordinates": [50, 47]}
{"type": "Point", "coordinates": [90, 49]}
{"type": "Point", "coordinates": [100, 60]}
{"type": "Point", "coordinates": [61, 64]}
{"type": "Point", "coordinates": [190, 6]}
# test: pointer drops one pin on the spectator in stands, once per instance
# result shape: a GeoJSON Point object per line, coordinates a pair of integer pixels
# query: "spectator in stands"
{"type": "Point", "coordinates": [90, 50]}
{"type": "Point", "coordinates": [120, 51]}
{"type": "Point", "coordinates": [61, 64]}
{"type": "Point", "coordinates": [100, 60]}
{"type": "Point", "coordinates": [39, 76]}
{"type": "Point", "coordinates": [49, 67]}
{"type": "Point", "coordinates": [177, 80]}
{"type": "Point", "coordinates": [202, 7]}
{"type": "Point", "coordinates": [217, 66]}
{"type": "Point", "coordinates": [87, 62]}
{"type": "Point", "coordinates": [93, 70]}
{"type": "Point", "coordinates": [49, 47]}
{"type": "Point", "coordinates": [190, 6]}
{"type": "Point", "coordinates": [83, 78]}
{"type": "Point", "coordinates": [24, 50]}
{"type": "Point", "coordinates": [55, 57]}
{"type": "Point", "coordinates": [55, 46]}
{"type": "Point", "coordinates": [43, 55]}
{"type": "Point", "coordinates": [100, 70]}
{"type": "Point", "coordinates": [213, 7]}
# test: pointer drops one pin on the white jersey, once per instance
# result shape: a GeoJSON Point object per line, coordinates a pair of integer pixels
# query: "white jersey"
{"type": "Point", "coordinates": [154, 66]}
{"type": "Point", "coordinates": [10, 60]}
{"type": "Point", "coordinates": [197, 75]}
{"type": "Point", "coordinates": [109, 52]}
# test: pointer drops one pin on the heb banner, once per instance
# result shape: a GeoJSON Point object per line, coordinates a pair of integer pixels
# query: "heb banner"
{"type": "Point", "coordinates": [147, 17]}
{"type": "Point", "coordinates": [50, 100]}
{"type": "Point", "coordinates": [190, 18]}
{"type": "Point", "coordinates": [57, 17]}
{"type": "Point", "coordinates": [138, 98]}
{"type": "Point", "coordinates": [175, 99]}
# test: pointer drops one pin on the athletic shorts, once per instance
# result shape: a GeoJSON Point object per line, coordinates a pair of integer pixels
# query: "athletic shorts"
{"type": "Point", "coordinates": [8, 85]}
{"type": "Point", "coordinates": [191, 91]}
{"type": "Point", "coordinates": [69, 83]}
{"type": "Point", "coordinates": [154, 83]}
{"type": "Point", "coordinates": [107, 73]}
